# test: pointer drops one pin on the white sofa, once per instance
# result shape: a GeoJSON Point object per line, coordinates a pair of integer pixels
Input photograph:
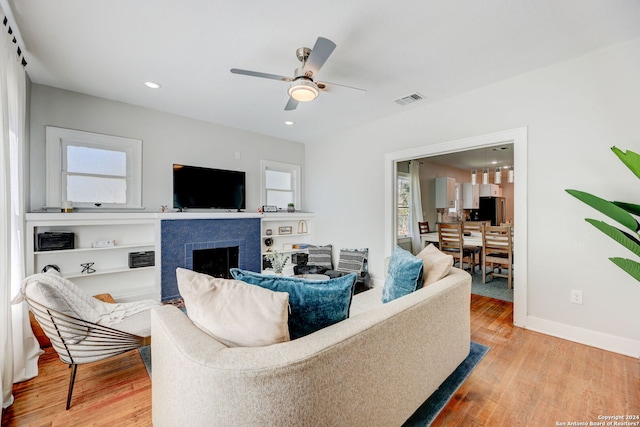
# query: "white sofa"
{"type": "Point", "coordinates": [373, 369]}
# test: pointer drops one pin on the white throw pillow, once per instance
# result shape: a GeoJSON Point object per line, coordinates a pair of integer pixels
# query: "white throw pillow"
{"type": "Point", "coordinates": [436, 264]}
{"type": "Point", "coordinates": [234, 312]}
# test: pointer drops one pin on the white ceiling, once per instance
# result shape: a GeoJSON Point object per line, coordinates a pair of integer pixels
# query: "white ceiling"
{"type": "Point", "coordinates": [489, 157]}
{"type": "Point", "coordinates": [438, 48]}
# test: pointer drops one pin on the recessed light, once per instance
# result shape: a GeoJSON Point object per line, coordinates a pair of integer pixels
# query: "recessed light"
{"type": "Point", "coordinates": [152, 85]}
{"type": "Point", "coordinates": [289, 123]}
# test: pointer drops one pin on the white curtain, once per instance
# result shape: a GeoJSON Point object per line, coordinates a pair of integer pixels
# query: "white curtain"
{"type": "Point", "coordinates": [416, 205]}
{"type": "Point", "coordinates": [19, 350]}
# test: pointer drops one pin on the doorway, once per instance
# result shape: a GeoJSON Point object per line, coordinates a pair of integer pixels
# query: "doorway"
{"type": "Point", "coordinates": [517, 137]}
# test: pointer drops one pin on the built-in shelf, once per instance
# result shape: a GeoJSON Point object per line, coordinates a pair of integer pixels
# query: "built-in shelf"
{"type": "Point", "coordinates": [107, 248]}
{"type": "Point", "coordinates": [106, 271]}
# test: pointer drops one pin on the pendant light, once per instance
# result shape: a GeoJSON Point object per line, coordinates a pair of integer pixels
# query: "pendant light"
{"type": "Point", "coordinates": [485, 176]}
{"type": "Point", "coordinates": [510, 175]}
{"type": "Point", "coordinates": [498, 176]}
{"type": "Point", "coordinates": [474, 176]}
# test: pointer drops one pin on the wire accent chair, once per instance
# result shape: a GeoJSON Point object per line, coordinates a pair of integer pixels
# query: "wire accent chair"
{"type": "Point", "coordinates": [79, 341]}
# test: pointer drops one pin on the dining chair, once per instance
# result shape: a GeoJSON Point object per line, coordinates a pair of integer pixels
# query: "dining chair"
{"type": "Point", "coordinates": [475, 227]}
{"type": "Point", "coordinates": [424, 227]}
{"type": "Point", "coordinates": [497, 251]}
{"type": "Point", "coordinates": [451, 241]}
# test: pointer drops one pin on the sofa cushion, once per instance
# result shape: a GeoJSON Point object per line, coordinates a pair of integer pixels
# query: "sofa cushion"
{"type": "Point", "coordinates": [404, 275]}
{"type": "Point", "coordinates": [320, 256]}
{"type": "Point", "coordinates": [233, 312]}
{"type": "Point", "coordinates": [353, 260]}
{"type": "Point", "coordinates": [315, 304]}
{"type": "Point", "coordinates": [436, 264]}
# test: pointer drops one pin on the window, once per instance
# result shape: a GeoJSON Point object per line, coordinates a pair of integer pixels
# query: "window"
{"type": "Point", "coordinates": [404, 205]}
{"type": "Point", "coordinates": [93, 170]}
{"type": "Point", "coordinates": [280, 184]}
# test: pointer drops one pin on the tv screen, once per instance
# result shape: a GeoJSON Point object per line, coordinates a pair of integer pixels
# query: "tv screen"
{"type": "Point", "coordinates": [205, 188]}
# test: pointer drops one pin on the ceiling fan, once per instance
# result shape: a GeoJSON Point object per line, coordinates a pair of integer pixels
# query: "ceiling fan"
{"type": "Point", "coordinates": [302, 86]}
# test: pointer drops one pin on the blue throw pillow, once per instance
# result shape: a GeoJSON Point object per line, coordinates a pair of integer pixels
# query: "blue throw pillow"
{"type": "Point", "coordinates": [315, 304]}
{"type": "Point", "coordinates": [404, 275]}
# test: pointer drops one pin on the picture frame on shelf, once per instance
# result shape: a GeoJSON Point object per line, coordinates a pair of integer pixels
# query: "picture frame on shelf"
{"type": "Point", "coordinates": [285, 230]}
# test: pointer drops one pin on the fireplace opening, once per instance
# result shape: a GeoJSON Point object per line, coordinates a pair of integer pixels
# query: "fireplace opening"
{"type": "Point", "coordinates": [216, 262]}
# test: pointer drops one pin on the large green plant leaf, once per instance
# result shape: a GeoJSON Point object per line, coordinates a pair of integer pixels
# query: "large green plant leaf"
{"type": "Point", "coordinates": [630, 266]}
{"type": "Point", "coordinates": [625, 239]}
{"type": "Point", "coordinates": [629, 158]}
{"type": "Point", "coordinates": [608, 208]}
{"type": "Point", "coordinates": [629, 207]}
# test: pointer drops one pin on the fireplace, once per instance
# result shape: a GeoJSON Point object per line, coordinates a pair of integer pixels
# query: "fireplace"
{"type": "Point", "coordinates": [216, 262]}
{"type": "Point", "coordinates": [181, 239]}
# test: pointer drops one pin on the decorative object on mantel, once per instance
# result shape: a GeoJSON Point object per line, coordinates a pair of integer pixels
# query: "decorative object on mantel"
{"type": "Point", "coordinates": [302, 227]}
{"type": "Point", "coordinates": [66, 206]}
{"type": "Point", "coordinates": [622, 213]}
{"type": "Point", "coordinates": [285, 230]}
{"type": "Point", "coordinates": [268, 231]}
{"type": "Point", "coordinates": [278, 261]}
{"type": "Point", "coordinates": [291, 207]}
{"type": "Point", "coordinates": [268, 241]}
{"type": "Point", "coordinates": [87, 267]}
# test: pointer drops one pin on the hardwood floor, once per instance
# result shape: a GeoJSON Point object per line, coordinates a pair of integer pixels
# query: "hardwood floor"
{"type": "Point", "coordinates": [526, 379]}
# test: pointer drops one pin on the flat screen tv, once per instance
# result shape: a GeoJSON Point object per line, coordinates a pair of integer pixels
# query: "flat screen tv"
{"type": "Point", "coordinates": [206, 188]}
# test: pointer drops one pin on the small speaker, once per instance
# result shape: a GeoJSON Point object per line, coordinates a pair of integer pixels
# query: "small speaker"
{"type": "Point", "coordinates": [142, 259]}
{"type": "Point", "coordinates": [300, 258]}
{"type": "Point", "coordinates": [55, 241]}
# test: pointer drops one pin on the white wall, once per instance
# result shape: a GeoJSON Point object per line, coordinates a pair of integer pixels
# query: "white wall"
{"type": "Point", "coordinates": [167, 139]}
{"type": "Point", "coordinates": [575, 111]}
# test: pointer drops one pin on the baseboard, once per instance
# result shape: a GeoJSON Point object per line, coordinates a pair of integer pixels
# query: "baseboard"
{"type": "Point", "coordinates": [616, 344]}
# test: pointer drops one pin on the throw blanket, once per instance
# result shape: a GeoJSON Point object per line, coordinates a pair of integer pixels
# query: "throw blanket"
{"type": "Point", "coordinates": [85, 306]}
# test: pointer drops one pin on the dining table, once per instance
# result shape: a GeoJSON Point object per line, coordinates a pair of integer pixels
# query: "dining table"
{"type": "Point", "coordinates": [469, 239]}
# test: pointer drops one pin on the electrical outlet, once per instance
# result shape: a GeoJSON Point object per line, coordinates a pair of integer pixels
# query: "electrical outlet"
{"type": "Point", "coordinates": [576, 296]}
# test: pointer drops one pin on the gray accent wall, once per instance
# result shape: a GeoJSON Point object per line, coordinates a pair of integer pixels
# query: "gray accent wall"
{"type": "Point", "coordinates": [167, 139]}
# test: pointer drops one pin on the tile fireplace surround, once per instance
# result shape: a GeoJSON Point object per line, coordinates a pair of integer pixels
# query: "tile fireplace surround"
{"type": "Point", "coordinates": [179, 237]}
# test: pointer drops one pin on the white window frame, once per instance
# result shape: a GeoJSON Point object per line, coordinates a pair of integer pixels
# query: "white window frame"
{"type": "Point", "coordinates": [59, 138]}
{"type": "Point", "coordinates": [294, 169]}
{"type": "Point", "coordinates": [405, 177]}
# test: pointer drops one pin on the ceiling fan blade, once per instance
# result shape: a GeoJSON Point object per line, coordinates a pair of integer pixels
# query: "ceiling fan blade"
{"type": "Point", "coordinates": [291, 105]}
{"type": "Point", "coordinates": [319, 54]}
{"type": "Point", "coordinates": [328, 86]}
{"type": "Point", "coordinates": [259, 74]}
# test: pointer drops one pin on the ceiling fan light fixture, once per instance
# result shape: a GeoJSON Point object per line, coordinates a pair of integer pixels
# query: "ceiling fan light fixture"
{"type": "Point", "coordinates": [303, 90]}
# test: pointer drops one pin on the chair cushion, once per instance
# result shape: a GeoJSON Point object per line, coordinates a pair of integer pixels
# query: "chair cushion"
{"type": "Point", "coordinates": [352, 260]}
{"type": "Point", "coordinates": [436, 264]}
{"type": "Point", "coordinates": [233, 312]}
{"type": "Point", "coordinates": [320, 256]}
{"type": "Point", "coordinates": [404, 275]}
{"type": "Point", "coordinates": [315, 304]}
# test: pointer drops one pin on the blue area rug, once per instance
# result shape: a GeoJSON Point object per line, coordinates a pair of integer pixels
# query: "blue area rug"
{"type": "Point", "coordinates": [430, 409]}
{"type": "Point", "coordinates": [145, 353]}
{"type": "Point", "coordinates": [496, 288]}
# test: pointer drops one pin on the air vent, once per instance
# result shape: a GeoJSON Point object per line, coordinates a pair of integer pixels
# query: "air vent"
{"type": "Point", "coordinates": [409, 99]}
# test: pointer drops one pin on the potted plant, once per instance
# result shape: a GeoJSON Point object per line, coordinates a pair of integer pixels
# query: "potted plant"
{"type": "Point", "coordinates": [623, 213]}
{"type": "Point", "coordinates": [278, 261]}
{"type": "Point", "coordinates": [291, 207]}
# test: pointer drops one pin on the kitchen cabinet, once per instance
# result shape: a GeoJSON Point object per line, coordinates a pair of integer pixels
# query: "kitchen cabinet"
{"type": "Point", "coordinates": [445, 193]}
{"type": "Point", "coordinates": [470, 196]}
{"type": "Point", "coordinates": [490, 190]}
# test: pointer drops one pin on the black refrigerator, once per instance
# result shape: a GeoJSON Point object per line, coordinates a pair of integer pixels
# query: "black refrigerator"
{"type": "Point", "coordinates": [491, 209]}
